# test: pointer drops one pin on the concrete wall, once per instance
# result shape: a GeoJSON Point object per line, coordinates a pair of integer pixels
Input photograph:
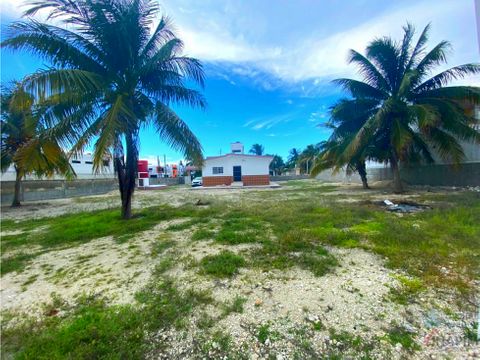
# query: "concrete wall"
{"type": "Point", "coordinates": [288, 177]}
{"type": "Point", "coordinates": [32, 190]}
{"type": "Point", "coordinates": [467, 174]}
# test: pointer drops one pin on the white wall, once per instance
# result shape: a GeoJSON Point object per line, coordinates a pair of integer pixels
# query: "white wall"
{"type": "Point", "coordinates": [251, 165]}
{"type": "Point", "coordinates": [83, 171]}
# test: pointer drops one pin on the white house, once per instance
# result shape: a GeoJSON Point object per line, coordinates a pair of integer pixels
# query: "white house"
{"type": "Point", "coordinates": [236, 167]}
{"type": "Point", "coordinates": [82, 165]}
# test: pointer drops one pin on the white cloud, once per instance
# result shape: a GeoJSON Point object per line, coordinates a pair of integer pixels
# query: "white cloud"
{"type": "Point", "coordinates": [246, 41]}
{"type": "Point", "coordinates": [267, 122]}
{"type": "Point", "coordinates": [315, 56]}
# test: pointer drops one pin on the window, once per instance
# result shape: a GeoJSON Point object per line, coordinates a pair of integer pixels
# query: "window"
{"type": "Point", "coordinates": [106, 163]}
{"type": "Point", "coordinates": [76, 162]}
{"type": "Point", "coordinates": [89, 162]}
{"type": "Point", "coordinates": [217, 170]}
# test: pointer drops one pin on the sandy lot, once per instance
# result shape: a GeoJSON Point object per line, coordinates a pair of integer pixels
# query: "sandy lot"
{"type": "Point", "coordinates": [292, 302]}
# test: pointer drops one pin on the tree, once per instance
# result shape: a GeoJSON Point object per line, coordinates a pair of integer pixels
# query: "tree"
{"type": "Point", "coordinates": [24, 143]}
{"type": "Point", "coordinates": [413, 116]}
{"type": "Point", "coordinates": [257, 149]}
{"type": "Point", "coordinates": [307, 157]}
{"type": "Point", "coordinates": [293, 156]}
{"type": "Point", "coordinates": [112, 76]}
{"type": "Point", "coordinates": [277, 165]}
{"type": "Point", "coordinates": [345, 121]}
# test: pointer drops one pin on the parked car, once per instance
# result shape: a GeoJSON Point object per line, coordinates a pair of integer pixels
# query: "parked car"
{"type": "Point", "coordinates": [197, 182]}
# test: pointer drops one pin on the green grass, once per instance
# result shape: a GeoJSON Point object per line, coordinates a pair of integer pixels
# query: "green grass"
{"type": "Point", "coordinates": [407, 291]}
{"type": "Point", "coordinates": [161, 244]}
{"type": "Point", "coordinates": [202, 234]}
{"type": "Point", "coordinates": [234, 306]}
{"type": "Point", "coordinates": [224, 264]}
{"type": "Point", "coordinates": [471, 332]}
{"type": "Point", "coordinates": [94, 330]}
{"type": "Point", "coordinates": [399, 335]}
{"type": "Point", "coordinates": [75, 229]}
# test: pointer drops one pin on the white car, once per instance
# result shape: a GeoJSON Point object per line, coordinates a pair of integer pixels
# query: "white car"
{"type": "Point", "coordinates": [197, 182]}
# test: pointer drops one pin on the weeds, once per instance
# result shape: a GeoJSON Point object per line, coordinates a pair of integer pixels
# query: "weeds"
{"type": "Point", "coordinates": [225, 264]}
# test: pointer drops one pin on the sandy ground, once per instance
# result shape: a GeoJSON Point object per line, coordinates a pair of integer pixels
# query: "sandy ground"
{"type": "Point", "coordinates": [352, 298]}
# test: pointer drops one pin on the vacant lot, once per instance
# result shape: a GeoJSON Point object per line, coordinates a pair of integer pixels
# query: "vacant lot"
{"type": "Point", "coordinates": [306, 271]}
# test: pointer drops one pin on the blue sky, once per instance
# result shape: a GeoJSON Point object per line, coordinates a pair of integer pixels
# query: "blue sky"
{"type": "Point", "coordinates": [269, 63]}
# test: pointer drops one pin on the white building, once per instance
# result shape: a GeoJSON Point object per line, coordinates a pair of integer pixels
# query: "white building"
{"type": "Point", "coordinates": [236, 167]}
{"type": "Point", "coordinates": [82, 165]}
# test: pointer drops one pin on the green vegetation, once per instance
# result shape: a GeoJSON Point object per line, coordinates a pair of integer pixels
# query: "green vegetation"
{"type": "Point", "coordinates": [471, 332]}
{"type": "Point", "coordinates": [407, 291]}
{"type": "Point", "coordinates": [399, 114]}
{"type": "Point", "coordinates": [202, 234]}
{"type": "Point", "coordinates": [91, 329]}
{"type": "Point", "coordinates": [84, 68]}
{"type": "Point", "coordinates": [225, 264]}
{"type": "Point", "coordinates": [399, 335]}
{"type": "Point", "coordinates": [74, 229]}
{"type": "Point", "coordinates": [235, 306]}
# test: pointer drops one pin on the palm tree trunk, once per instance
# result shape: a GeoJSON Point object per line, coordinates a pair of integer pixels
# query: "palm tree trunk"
{"type": "Point", "coordinates": [16, 194]}
{"type": "Point", "coordinates": [362, 171]}
{"type": "Point", "coordinates": [126, 173]}
{"type": "Point", "coordinates": [397, 181]}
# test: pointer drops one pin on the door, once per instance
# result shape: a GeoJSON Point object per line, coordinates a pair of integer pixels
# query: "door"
{"type": "Point", "coordinates": [237, 173]}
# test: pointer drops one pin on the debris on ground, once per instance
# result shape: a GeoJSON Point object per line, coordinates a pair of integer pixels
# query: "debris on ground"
{"type": "Point", "coordinates": [404, 207]}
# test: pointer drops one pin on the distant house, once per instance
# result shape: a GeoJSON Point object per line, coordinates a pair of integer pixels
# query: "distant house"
{"type": "Point", "coordinates": [82, 165]}
{"type": "Point", "coordinates": [236, 168]}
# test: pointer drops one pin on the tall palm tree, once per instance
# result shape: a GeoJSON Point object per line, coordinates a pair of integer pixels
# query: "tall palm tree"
{"type": "Point", "coordinates": [257, 149]}
{"type": "Point", "coordinates": [112, 76]}
{"type": "Point", "coordinates": [23, 141]}
{"type": "Point", "coordinates": [414, 116]}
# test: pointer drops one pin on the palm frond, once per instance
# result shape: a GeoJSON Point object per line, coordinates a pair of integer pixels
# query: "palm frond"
{"type": "Point", "coordinates": [445, 77]}
{"type": "Point", "coordinates": [175, 132]}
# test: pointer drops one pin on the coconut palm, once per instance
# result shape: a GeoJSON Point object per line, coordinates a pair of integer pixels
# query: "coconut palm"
{"type": "Point", "coordinates": [413, 115]}
{"type": "Point", "coordinates": [346, 119]}
{"type": "Point", "coordinates": [293, 156]}
{"type": "Point", "coordinates": [277, 165]}
{"type": "Point", "coordinates": [111, 76]}
{"type": "Point", "coordinates": [257, 149]}
{"type": "Point", "coordinates": [23, 141]}
{"type": "Point", "coordinates": [307, 157]}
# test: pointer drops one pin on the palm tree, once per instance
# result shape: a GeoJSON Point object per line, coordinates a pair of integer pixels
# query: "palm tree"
{"type": "Point", "coordinates": [293, 156]}
{"type": "Point", "coordinates": [307, 157]}
{"type": "Point", "coordinates": [23, 141]}
{"type": "Point", "coordinates": [112, 76]}
{"type": "Point", "coordinates": [346, 119]}
{"type": "Point", "coordinates": [413, 116]}
{"type": "Point", "coordinates": [277, 165]}
{"type": "Point", "coordinates": [257, 149]}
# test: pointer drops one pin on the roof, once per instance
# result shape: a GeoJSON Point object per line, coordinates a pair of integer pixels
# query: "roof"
{"type": "Point", "coordinates": [237, 155]}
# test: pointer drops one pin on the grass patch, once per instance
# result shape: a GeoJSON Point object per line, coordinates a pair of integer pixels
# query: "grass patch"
{"type": "Point", "coordinates": [203, 234]}
{"type": "Point", "coordinates": [188, 224]}
{"type": "Point", "coordinates": [225, 264]}
{"type": "Point", "coordinates": [94, 330]}
{"type": "Point", "coordinates": [471, 332]}
{"type": "Point", "coordinates": [161, 244]}
{"type": "Point", "coordinates": [407, 291]}
{"type": "Point", "coordinates": [234, 306]}
{"type": "Point", "coordinates": [74, 229]}
{"type": "Point", "coordinates": [398, 335]}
